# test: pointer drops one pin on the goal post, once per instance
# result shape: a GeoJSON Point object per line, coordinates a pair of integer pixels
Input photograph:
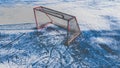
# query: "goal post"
{"type": "Point", "coordinates": [44, 16]}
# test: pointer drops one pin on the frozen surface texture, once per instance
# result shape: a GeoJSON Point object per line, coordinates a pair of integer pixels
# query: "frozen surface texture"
{"type": "Point", "coordinates": [22, 46]}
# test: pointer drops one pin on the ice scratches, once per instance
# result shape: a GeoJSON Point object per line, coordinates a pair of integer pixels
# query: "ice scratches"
{"type": "Point", "coordinates": [45, 49]}
{"type": "Point", "coordinates": [99, 45]}
{"type": "Point", "coordinates": [108, 49]}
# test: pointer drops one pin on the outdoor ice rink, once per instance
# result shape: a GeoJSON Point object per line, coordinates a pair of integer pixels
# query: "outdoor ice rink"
{"type": "Point", "coordinates": [22, 46]}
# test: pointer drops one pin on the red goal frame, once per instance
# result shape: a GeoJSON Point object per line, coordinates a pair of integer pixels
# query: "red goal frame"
{"type": "Point", "coordinates": [50, 12]}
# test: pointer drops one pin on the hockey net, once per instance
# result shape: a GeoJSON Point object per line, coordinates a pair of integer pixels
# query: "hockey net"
{"type": "Point", "coordinates": [44, 16]}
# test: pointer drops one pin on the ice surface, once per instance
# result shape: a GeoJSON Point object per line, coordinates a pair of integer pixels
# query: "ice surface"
{"type": "Point", "coordinates": [22, 46]}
